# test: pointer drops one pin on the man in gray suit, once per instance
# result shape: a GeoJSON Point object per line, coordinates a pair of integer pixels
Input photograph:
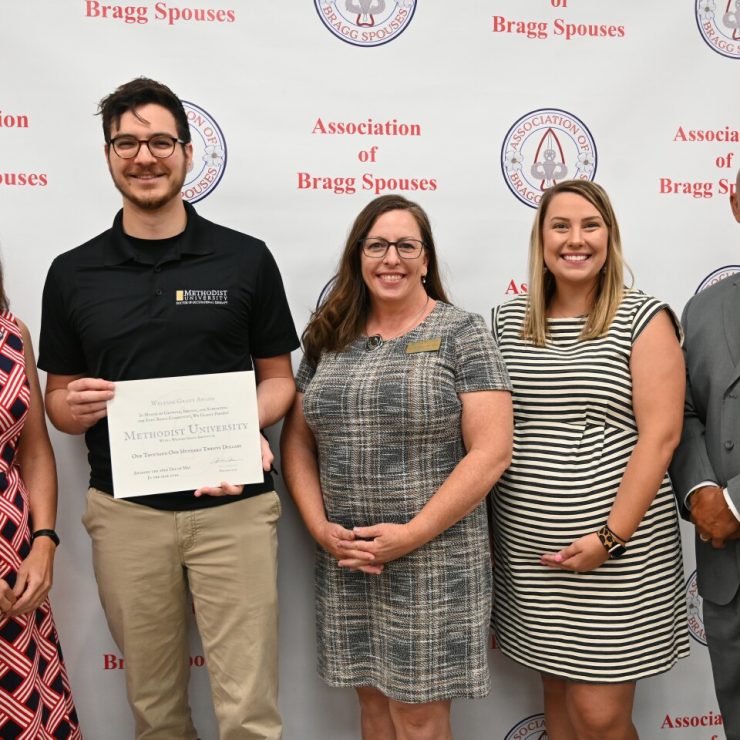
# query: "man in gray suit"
{"type": "Point", "coordinates": [706, 473]}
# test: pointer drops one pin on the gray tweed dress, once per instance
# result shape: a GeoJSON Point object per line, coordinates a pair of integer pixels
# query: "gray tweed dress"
{"type": "Point", "coordinates": [387, 429]}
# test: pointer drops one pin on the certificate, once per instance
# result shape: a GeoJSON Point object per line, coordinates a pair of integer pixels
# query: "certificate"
{"type": "Point", "coordinates": [178, 434]}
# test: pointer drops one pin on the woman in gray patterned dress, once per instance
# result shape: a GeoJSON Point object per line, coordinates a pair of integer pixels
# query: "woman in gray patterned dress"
{"type": "Point", "coordinates": [401, 426]}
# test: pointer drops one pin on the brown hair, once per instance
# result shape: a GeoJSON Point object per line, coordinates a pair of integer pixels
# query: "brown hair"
{"type": "Point", "coordinates": [610, 288]}
{"type": "Point", "coordinates": [341, 317]}
{"type": "Point", "coordinates": [138, 92]}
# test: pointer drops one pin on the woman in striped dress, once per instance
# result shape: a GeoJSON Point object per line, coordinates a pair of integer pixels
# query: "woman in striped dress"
{"type": "Point", "coordinates": [589, 577]}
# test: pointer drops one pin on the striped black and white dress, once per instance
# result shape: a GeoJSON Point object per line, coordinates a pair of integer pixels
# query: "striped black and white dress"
{"type": "Point", "coordinates": [574, 433]}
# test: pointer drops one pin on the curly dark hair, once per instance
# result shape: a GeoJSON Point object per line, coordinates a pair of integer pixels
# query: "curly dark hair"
{"type": "Point", "coordinates": [138, 92]}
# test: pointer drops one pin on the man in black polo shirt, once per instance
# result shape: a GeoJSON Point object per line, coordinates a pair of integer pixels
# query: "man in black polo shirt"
{"type": "Point", "coordinates": [166, 293]}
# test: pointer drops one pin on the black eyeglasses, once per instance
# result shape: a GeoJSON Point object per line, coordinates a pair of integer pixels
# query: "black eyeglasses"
{"type": "Point", "coordinates": [160, 146]}
{"type": "Point", "coordinates": [376, 247]}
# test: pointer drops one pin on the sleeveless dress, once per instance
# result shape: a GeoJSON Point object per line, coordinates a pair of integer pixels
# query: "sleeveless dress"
{"type": "Point", "coordinates": [387, 429]}
{"type": "Point", "coordinates": [35, 697]}
{"type": "Point", "coordinates": [574, 433]}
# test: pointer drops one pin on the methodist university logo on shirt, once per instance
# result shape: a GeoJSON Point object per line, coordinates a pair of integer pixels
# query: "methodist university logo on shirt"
{"type": "Point", "coordinates": [366, 22]}
{"type": "Point", "coordinates": [719, 25]}
{"type": "Point", "coordinates": [209, 154]}
{"type": "Point", "coordinates": [201, 297]}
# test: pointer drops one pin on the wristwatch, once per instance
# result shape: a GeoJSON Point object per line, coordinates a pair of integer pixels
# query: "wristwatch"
{"type": "Point", "coordinates": [612, 545]}
{"type": "Point", "coordinates": [50, 533]}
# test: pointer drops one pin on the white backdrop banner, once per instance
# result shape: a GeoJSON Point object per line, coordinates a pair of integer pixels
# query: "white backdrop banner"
{"type": "Point", "coordinates": [301, 112]}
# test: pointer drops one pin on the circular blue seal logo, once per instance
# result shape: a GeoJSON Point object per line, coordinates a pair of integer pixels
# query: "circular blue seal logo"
{"type": "Point", "coordinates": [719, 274]}
{"type": "Point", "coordinates": [531, 728]}
{"type": "Point", "coordinates": [366, 22]}
{"type": "Point", "coordinates": [209, 154]}
{"type": "Point", "coordinates": [693, 609]}
{"type": "Point", "coordinates": [719, 25]}
{"type": "Point", "coordinates": [544, 147]}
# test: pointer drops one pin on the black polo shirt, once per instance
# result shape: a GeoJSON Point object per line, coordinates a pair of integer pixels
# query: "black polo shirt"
{"type": "Point", "coordinates": [206, 301]}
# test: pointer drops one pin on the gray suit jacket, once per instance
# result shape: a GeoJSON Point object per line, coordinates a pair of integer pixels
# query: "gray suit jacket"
{"type": "Point", "coordinates": [710, 442]}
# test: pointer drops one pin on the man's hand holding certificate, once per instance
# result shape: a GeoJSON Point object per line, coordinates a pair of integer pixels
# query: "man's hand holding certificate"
{"type": "Point", "coordinates": [185, 433]}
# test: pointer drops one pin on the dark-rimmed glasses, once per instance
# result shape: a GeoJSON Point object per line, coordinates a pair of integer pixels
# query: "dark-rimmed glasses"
{"type": "Point", "coordinates": [160, 146]}
{"type": "Point", "coordinates": [376, 247]}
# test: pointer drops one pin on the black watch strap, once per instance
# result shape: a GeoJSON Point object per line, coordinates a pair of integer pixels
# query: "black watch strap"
{"type": "Point", "coordinates": [50, 533]}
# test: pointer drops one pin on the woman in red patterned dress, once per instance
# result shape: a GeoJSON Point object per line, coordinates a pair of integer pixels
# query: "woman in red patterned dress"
{"type": "Point", "coordinates": [35, 697]}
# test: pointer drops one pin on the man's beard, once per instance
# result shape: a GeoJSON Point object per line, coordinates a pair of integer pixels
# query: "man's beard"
{"type": "Point", "coordinates": [153, 201]}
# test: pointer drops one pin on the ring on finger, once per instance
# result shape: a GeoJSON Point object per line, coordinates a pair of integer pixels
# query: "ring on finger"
{"type": "Point", "coordinates": [704, 538]}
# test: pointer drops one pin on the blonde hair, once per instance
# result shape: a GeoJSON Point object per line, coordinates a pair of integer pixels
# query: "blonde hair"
{"type": "Point", "coordinates": [610, 288]}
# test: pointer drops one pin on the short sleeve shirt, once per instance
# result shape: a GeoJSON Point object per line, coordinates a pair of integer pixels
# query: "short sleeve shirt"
{"type": "Point", "coordinates": [207, 301]}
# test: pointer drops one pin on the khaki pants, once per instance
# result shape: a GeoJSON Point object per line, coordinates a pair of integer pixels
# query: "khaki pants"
{"type": "Point", "coordinates": [145, 562]}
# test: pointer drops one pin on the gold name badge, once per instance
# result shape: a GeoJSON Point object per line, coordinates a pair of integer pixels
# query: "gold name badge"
{"type": "Point", "coordinates": [425, 345]}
